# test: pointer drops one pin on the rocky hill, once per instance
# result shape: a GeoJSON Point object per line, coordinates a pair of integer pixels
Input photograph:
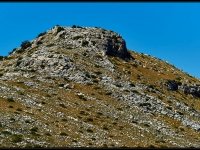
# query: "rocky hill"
{"type": "Point", "coordinates": [81, 87]}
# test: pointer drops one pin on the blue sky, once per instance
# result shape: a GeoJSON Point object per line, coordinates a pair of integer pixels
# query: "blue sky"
{"type": "Point", "coordinates": [170, 31]}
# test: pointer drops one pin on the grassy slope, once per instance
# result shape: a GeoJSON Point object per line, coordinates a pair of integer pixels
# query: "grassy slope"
{"type": "Point", "coordinates": [84, 118]}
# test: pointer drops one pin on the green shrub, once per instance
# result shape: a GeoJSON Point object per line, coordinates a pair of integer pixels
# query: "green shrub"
{"type": "Point", "coordinates": [41, 34]}
{"type": "Point", "coordinates": [34, 129]}
{"type": "Point", "coordinates": [1, 58]}
{"type": "Point", "coordinates": [105, 127]}
{"type": "Point", "coordinates": [93, 43]}
{"type": "Point", "coordinates": [82, 97]}
{"type": "Point", "coordinates": [98, 72]}
{"type": "Point", "coordinates": [25, 44]}
{"type": "Point", "coordinates": [75, 141]}
{"type": "Point", "coordinates": [90, 130]}
{"type": "Point", "coordinates": [27, 121]}
{"type": "Point", "coordinates": [60, 29]}
{"type": "Point", "coordinates": [77, 37]}
{"type": "Point", "coordinates": [12, 119]}
{"type": "Point", "coordinates": [82, 112]}
{"type": "Point", "coordinates": [85, 43]}
{"type": "Point", "coordinates": [21, 93]}
{"type": "Point", "coordinates": [43, 102]}
{"type": "Point", "coordinates": [48, 134]}
{"type": "Point", "coordinates": [93, 139]}
{"type": "Point", "coordinates": [120, 109]}
{"type": "Point", "coordinates": [62, 105]}
{"type": "Point", "coordinates": [6, 133]}
{"type": "Point", "coordinates": [75, 26]}
{"type": "Point", "coordinates": [134, 121]}
{"type": "Point", "coordinates": [14, 49]}
{"type": "Point", "coordinates": [99, 113]}
{"type": "Point", "coordinates": [108, 93]}
{"type": "Point", "coordinates": [16, 138]}
{"type": "Point", "coordinates": [63, 134]}
{"type": "Point", "coordinates": [146, 124]}
{"type": "Point", "coordinates": [135, 91]}
{"type": "Point", "coordinates": [89, 120]}
{"type": "Point", "coordinates": [39, 42]}
{"type": "Point", "coordinates": [19, 109]}
{"type": "Point", "coordinates": [64, 119]}
{"type": "Point", "coordinates": [10, 99]}
{"type": "Point", "coordinates": [50, 45]}
{"type": "Point", "coordinates": [151, 86]}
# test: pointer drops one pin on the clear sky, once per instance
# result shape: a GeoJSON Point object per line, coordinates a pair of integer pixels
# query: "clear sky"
{"type": "Point", "coordinates": [170, 31]}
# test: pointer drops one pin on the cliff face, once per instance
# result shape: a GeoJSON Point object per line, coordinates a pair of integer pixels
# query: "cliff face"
{"type": "Point", "coordinates": [73, 87]}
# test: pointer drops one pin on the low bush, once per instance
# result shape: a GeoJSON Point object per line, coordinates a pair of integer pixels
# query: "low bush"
{"type": "Point", "coordinates": [10, 99]}
{"type": "Point", "coordinates": [25, 44]}
{"type": "Point", "coordinates": [41, 34]}
{"type": "Point", "coordinates": [90, 130]}
{"type": "Point", "coordinates": [6, 133]}
{"type": "Point", "coordinates": [85, 43]}
{"type": "Point", "coordinates": [16, 138]}
{"type": "Point", "coordinates": [62, 105]}
{"type": "Point", "coordinates": [63, 134]}
{"type": "Point", "coordinates": [34, 129]}
{"type": "Point", "coordinates": [19, 109]}
{"type": "Point", "coordinates": [14, 49]}
{"type": "Point", "coordinates": [75, 26]}
{"type": "Point", "coordinates": [1, 58]}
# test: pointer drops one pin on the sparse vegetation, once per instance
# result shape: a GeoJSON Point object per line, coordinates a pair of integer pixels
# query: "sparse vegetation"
{"type": "Point", "coordinates": [16, 138]}
{"type": "Point", "coordinates": [77, 37]}
{"type": "Point", "coordinates": [21, 93]}
{"type": "Point", "coordinates": [63, 134]}
{"type": "Point", "coordinates": [75, 26]}
{"type": "Point", "coordinates": [89, 120]}
{"type": "Point", "coordinates": [105, 127]}
{"type": "Point", "coordinates": [63, 105]}
{"type": "Point", "coordinates": [41, 34]}
{"type": "Point", "coordinates": [19, 109]}
{"type": "Point", "coordinates": [1, 58]}
{"type": "Point", "coordinates": [64, 119]}
{"type": "Point", "coordinates": [34, 130]}
{"type": "Point", "coordinates": [14, 49]}
{"type": "Point", "coordinates": [10, 99]}
{"type": "Point", "coordinates": [85, 43]}
{"type": "Point", "coordinates": [90, 130]}
{"type": "Point", "coordinates": [59, 28]}
{"type": "Point", "coordinates": [135, 91]}
{"type": "Point", "coordinates": [24, 45]}
{"type": "Point", "coordinates": [50, 45]}
{"type": "Point", "coordinates": [48, 134]}
{"type": "Point", "coordinates": [82, 97]}
{"type": "Point", "coordinates": [51, 95]}
{"type": "Point", "coordinates": [6, 132]}
{"type": "Point", "coordinates": [27, 121]}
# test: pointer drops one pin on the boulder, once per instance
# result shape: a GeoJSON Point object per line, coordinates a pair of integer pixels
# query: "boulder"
{"type": "Point", "coordinates": [172, 85]}
{"type": "Point", "coordinates": [193, 90]}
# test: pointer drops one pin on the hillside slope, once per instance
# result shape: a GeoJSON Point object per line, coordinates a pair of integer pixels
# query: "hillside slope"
{"type": "Point", "coordinates": [81, 87]}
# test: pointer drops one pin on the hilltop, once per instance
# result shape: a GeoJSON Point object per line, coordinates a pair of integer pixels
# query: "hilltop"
{"type": "Point", "coordinates": [82, 87]}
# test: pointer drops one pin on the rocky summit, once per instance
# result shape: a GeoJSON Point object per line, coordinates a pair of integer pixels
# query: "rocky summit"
{"type": "Point", "coordinates": [81, 87]}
